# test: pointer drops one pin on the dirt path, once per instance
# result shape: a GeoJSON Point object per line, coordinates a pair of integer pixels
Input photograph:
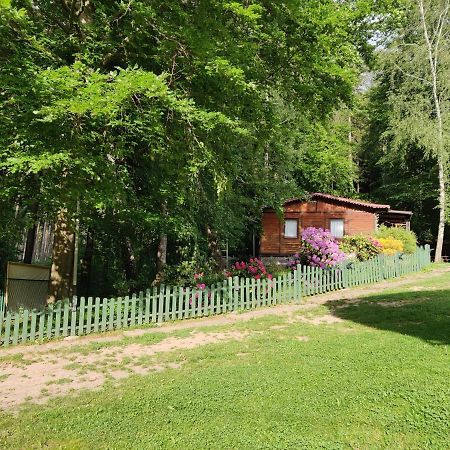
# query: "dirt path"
{"type": "Point", "coordinates": [38, 372]}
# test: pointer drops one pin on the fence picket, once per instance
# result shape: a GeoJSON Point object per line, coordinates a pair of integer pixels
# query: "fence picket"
{"type": "Point", "coordinates": [212, 295]}
{"type": "Point", "coordinates": [15, 337]}
{"type": "Point", "coordinates": [242, 293]}
{"type": "Point", "coordinates": [41, 325]}
{"type": "Point", "coordinates": [25, 318]}
{"type": "Point", "coordinates": [236, 292]}
{"type": "Point", "coordinates": [173, 311]}
{"type": "Point", "coordinates": [57, 312]}
{"type": "Point", "coordinates": [126, 311]}
{"type": "Point", "coordinates": [96, 314]}
{"type": "Point", "coordinates": [7, 329]}
{"type": "Point", "coordinates": [81, 317]}
{"type": "Point", "coordinates": [247, 293]}
{"type": "Point", "coordinates": [49, 321]}
{"type": "Point", "coordinates": [73, 316]}
{"type": "Point", "coordinates": [133, 310]}
{"type": "Point", "coordinates": [160, 303]}
{"type": "Point", "coordinates": [104, 314]}
{"type": "Point", "coordinates": [112, 310]}
{"type": "Point", "coordinates": [180, 302]}
{"type": "Point", "coordinates": [89, 315]}
{"type": "Point", "coordinates": [187, 299]}
{"type": "Point", "coordinates": [33, 325]}
{"type": "Point", "coordinates": [119, 313]}
{"type": "Point", "coordinates": [148, 300]}
{"type": "Point", "coordinates": [140, 307]}
{"type": "Point", "coordinates": [155, 305]}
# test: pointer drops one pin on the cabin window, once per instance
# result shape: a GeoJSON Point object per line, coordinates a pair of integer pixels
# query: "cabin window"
{"type": "Point", "coordinates": [291, 228]}
{"type": "Point", "coordinates": [337, 227]}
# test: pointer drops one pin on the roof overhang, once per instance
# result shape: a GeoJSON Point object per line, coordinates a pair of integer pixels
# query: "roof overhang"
{"type": "Point", "coordinates": [376, 208]}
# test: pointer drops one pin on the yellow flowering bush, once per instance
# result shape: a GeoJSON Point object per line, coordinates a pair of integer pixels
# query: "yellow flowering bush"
{"type": "Point", "coordinates": [391, 246]}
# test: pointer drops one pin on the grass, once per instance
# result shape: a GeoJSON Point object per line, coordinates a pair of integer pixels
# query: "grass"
{"type": "Point", "coordinates": [378, 379]}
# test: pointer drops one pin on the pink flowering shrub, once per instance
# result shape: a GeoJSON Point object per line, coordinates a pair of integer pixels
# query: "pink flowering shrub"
{"type": "Point", "coordinates": [254, 268]}
{"type": "Point", "coordinates": [199, 281]}
{"type": "Point", "coordinates": [318, 248]}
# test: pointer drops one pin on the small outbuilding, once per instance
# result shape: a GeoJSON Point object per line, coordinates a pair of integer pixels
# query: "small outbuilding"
{"type": "Point", "coordinates": [342, 216]}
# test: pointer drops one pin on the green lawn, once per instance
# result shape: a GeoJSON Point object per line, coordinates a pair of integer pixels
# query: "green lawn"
{"type": "Point", "coordinates": [380, 378]}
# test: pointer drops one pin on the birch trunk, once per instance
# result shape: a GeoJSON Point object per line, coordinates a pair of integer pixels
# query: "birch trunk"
{"type": "Point", "coordinates": [432, 46]}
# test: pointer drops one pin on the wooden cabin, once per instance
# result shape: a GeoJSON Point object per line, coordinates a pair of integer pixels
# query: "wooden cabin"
{"type": "Point", "coordinates": [342, 216]}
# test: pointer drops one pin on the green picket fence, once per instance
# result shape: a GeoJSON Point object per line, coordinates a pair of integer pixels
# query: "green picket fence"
{"type": "Point", "coordinates": [83, 316]}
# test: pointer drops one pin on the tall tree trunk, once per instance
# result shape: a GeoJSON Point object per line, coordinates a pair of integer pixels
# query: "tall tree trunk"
{"type": "Point", "coordinates": [31, 236]}
{"type": "Point", "coordinates": [161, 258]}
{"type": "Point", "coordinates": [129, 260]}
{"type": "Point", "coordinates": [433, 52]}
{"type": "Point", "coordinates": [86, 263]}
{"type": "Point", "coordinates": [62, 260]}
{"type": "Point", "coordinates": [161, 253]}
{"type": "Point", "coordinates": [442, 211]}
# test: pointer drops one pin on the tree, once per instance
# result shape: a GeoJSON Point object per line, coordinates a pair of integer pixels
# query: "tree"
{"type": "Point", "coordinates": [165, 121]}
{"type": "Point", "coordinates": [417, 63]}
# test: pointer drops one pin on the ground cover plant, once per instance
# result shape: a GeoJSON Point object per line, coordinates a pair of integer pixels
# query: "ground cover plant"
{"type": "Point", "coordinates": [367, 369]}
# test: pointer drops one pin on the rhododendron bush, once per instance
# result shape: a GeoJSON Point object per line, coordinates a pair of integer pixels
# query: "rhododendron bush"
{"type": "Point", "coordinates": [318, 248]}
{"type": "Point", "coordinates": [253, 269]}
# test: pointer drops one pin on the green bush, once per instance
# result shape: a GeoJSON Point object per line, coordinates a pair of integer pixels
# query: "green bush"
{"type": "Point", "coordinates": [408, 238]}
{"type": "Point", "coordinates": [363, 247]}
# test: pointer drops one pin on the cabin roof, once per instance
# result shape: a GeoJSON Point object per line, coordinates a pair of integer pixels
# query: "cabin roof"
{"type": "Point", "coordinates": [375, 207]}
{"type": "Point", "coordinates": [356, 203]}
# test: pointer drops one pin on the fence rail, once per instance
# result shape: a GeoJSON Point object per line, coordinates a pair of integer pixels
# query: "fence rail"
{"type": "Point", "coordinates": [82, 316]}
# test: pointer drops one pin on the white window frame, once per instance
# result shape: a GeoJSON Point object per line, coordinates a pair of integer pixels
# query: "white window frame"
{"type": "Point", "coordinates": [290, 236]}
{"type": "Point", "coordinates": [343, 227]}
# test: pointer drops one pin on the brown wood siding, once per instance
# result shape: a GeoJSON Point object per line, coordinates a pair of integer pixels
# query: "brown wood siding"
{"type": "Point", "coordinates": [310, 214]}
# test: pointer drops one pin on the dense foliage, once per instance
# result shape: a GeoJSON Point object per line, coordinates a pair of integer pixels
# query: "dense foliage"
{"type": "Point", "coordinates": [360, 246]}
{"type": "Point", "coordinates": [164, 127]}
{"type": "Point", "coordinates": [406, 237]}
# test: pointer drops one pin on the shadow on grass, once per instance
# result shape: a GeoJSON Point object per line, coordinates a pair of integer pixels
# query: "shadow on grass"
{"type": "Point", "coordinates": [423, 314]}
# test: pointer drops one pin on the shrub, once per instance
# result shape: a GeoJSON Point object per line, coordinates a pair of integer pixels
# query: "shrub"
{"type": "Point", "coordinates": [318, 248]}
{"type": "Point", "coordinates": [277, 268]}
{"type": "Point", "coordinates": [391, 246]}
{"type": "Point", "coordinates": [363, 247]}
{"type": "Point", "coordinates": [408, 238]}
{"type": "Point", "coordinates": [254, 268]}
{"type": "Point", "coordinates": [195, 272]}
{"type": "Point", "coordinates": [294, 261]}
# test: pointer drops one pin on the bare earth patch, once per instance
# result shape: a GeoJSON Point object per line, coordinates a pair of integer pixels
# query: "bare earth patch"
{"type": "Point", "coordinates": [39, 379]}
{"type": "Point", "coordinates": [327, 319]}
